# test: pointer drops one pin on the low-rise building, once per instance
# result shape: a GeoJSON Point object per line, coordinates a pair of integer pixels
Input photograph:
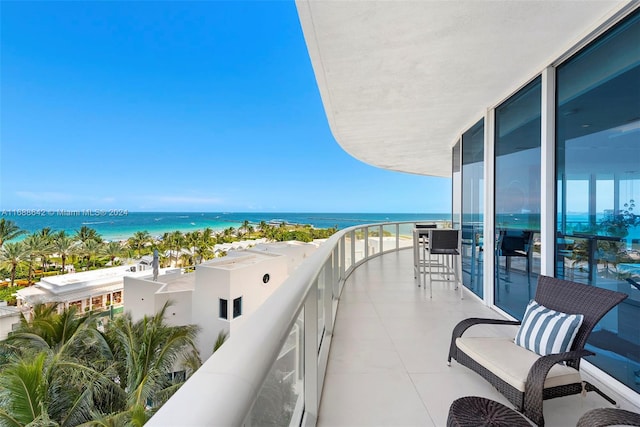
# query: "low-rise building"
{"type": "Point", "coordinates": [221, 293]}
{"type": "Point", "coordinates": [9, 319]}
{"type": "Point", "coordinates": [93, 290]}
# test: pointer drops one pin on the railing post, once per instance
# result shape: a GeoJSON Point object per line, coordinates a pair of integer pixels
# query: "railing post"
{"type": "Point", "coordinates": [353, 249]}
{"type": "Point", "coordinates": [343, 268]}
{"type": "Point", "coordinates": [397, 236]}
{"type": "Point", "coordinates": [381, 237]}
{"type": "Point", "coordinates": [366, 242]}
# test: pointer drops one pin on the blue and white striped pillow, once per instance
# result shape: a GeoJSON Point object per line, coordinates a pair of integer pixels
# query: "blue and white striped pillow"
{"type": "Point", "coordinates": [545, 331]}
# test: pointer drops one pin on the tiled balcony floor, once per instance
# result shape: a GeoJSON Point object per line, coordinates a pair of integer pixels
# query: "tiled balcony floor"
{"type": "Point", "coordinates": [387, 364]}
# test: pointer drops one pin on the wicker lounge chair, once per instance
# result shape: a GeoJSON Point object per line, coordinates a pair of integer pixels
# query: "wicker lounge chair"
{"type": "Point", "coordinates": [602, 417]}
{"type": "Point", "coordinates": [522, 376]}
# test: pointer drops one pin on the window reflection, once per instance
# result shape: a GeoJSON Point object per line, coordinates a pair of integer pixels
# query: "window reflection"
{"type": "Point", "coordinates": [473, 208]}
{"type": "Point", "coordinates": [517, 198]}
{"type": "Point", "coordinates": [598, 181]}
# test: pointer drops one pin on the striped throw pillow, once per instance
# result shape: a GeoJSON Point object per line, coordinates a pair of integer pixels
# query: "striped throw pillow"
{"type": "Point", "coordinates": [545, 331]}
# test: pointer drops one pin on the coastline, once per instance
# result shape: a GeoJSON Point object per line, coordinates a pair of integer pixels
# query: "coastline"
{"type": "Point", "coordinates": [122, 224]}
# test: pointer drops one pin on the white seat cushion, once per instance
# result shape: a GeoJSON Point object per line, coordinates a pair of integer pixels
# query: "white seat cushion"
{"type": "Point", "coordinates": [512, 363]}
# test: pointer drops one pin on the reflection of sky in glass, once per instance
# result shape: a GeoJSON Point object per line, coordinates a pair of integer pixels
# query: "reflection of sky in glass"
{"type": "Point", "coordinates": [607, 153]}
{"type": "Point", "coordinates": [577, 196]}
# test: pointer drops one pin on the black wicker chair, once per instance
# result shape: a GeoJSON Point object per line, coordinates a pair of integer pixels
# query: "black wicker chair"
{"type": "Point", "coordinates": [602, 417]}
{"type": "Point", "coordinates": [559, 295]}
{"type": "Point", "coordinates": [510, 244]}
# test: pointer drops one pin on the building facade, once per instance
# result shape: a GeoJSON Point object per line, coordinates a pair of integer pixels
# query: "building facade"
{"type": "Point", "coordinates": [532, 109]}
{"type": "Point", "coordinates": [95, 290]}
{"type": "Point", "coordinates": [221, 293]}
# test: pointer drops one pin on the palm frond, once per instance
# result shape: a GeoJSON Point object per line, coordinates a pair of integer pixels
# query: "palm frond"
{"type": "Point", "coordinates": [21, 389]}
{"type": "Point", "coordinates": [6, 420]}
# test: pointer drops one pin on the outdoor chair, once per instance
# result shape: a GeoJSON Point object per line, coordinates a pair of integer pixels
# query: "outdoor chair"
{"type": "Point", "coordinates": [602, 417]}
{"type": "Point", "coordinates": [510, 244]}
{"type": "Point", "coordinates": [469, 240]}
{"type": "Point", "coordinates": [444, 244]}
{"type": "Point", "coordinates": [526, 378]}
{"type": "Point", "coordinates": [420, 243]}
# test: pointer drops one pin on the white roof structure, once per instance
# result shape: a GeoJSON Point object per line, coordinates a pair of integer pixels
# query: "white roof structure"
{"type": "Point", "coordinates": [73, 287]}
{"type": "Point", "coordinates": [401, 80]}
{"type": "Point", "coordinates": [8, 311]}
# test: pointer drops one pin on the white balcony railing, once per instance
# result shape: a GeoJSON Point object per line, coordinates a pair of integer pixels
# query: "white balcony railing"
{"type": "Point", "coordinates": [272, 370]}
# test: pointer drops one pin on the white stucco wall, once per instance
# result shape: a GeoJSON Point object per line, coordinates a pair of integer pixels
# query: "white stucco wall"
{"type": "Point", "coordinates": [179, 311]}
{"type": "Point", "coordinates": [239, 275]}
{"type": "Point", "coordinates": [196, 296]}
{"type": "Point", "coordinates": [8, 317]}
{"type": "Point", "coordinates": [139, 296]}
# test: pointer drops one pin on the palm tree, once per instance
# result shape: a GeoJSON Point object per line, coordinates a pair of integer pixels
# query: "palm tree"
{"type": "Point", "coordinates": [65, 372]}
{"type": "Point", "coordinates": [176, 240]}
{"type": "Point", "coordinates": [64, 332]}
{"type": "Point", "coordinates": [11, 255]}
{"type": "Point", "coordinates": [192, 239]}
{"type": "Point", "coordinates": [87, 233]}
{"type": "Point", "coordinates": [112, 250]}
{"type": "Point", "coordinates": [63, 246]}
{"type": "Point", "coordinates": [203, 250]}
{"type": "Point", "coordinates": [145, 352]}
{"type": "Point", "coordinates": [59, 371]}
{"type": "Point", "coordinates": [245, 226]}
{"type": "Point", "coordinates": [36, 245]}
{"type": "Point", "coordinates": [8, 231]}
{"type": "Point", "coordinates": [227, 234]}
{"type": "Point", "coordinates": [88, 249]}
{"type": "Point", "coordinates": [139, 240]}
{"type": "Point", "coordinates": [46, 233]}
{"type": "Point", "coordinates": [44, 391]}
{"type": "Point", "coordinates": [44, 248]}
{"type": "Point", "coordinates": [184, 259]}
{"type": "Point", "coordinates": [208, 236]}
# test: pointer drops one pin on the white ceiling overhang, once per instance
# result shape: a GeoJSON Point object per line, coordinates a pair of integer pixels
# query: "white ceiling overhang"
{"type": "Point", "coordinates": [401, 80]}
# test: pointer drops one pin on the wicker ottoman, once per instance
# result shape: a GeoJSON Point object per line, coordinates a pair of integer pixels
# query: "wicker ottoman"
{"type": "Point", "coordinates": [474, 411]}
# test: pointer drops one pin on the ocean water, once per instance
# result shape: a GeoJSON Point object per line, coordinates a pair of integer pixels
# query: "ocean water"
{"type": "Point", "coordinates": [119, 225]}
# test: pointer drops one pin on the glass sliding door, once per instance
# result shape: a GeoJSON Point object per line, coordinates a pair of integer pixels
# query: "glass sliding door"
{"type": "Point", "coordinates": [517, 198]}
{"type": "Point", "coordinates": [598, 187]}
{"type": "Point", "coordinates": [473, 208]}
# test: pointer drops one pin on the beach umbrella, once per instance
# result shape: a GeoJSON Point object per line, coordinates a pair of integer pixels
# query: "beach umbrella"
{"type": "Point", "coordinates": [155, 264]}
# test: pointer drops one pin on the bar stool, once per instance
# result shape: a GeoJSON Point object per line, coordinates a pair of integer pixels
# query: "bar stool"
{"type": "Point", "coordinates": [445, 244]}
{"type": "Point", "coordinates": [420, 242]}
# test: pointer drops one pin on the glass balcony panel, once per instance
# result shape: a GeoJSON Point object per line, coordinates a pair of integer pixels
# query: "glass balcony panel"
{"type": "Point", "coordinates": [388, 237]}
{"type": "Point", "coordinates": [281, 398]}
{"type": "Point", "coordinates": [348, 244]}
{"type": "Point", "coordinates": [374, 240]}
{"type": "Point", "coordinates": [406, 235]}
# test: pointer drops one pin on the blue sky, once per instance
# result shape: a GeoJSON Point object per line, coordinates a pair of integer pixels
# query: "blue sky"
{"type": "Point", "coordinates": [176, 106]}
